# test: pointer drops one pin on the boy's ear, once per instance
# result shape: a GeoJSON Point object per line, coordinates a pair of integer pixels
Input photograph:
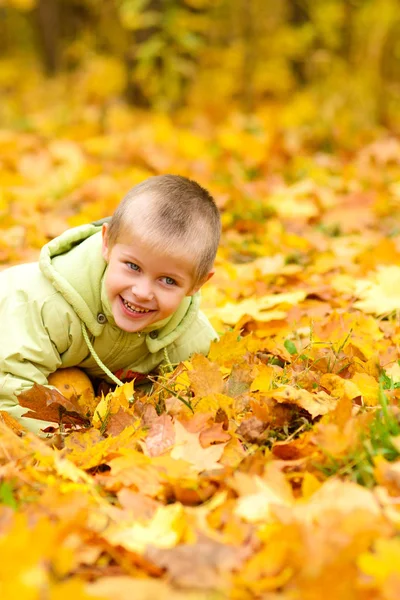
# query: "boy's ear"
{"type": "Point", "coordinates": [105, 249]}
{"type": "Point", "coordinates": [199, 285]}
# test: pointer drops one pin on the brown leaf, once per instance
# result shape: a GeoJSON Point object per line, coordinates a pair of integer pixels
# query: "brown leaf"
{"type": "Point", "coordinates": [253, 430]}
{"type": "Point", "coordinates": [49, 405]}
{"type": "Point", "coordinates": [119, 421]}
{"type": "Point", "coordinates": [222, 417]}
{"type": "Point", "coordinates": [146, 412]}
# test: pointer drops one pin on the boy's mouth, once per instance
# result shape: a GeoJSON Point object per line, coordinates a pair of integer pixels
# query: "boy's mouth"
{"type": "Point", "coordinates": [135, 309]}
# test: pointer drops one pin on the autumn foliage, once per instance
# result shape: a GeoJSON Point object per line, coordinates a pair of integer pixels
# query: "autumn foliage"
{"type": "Point", "coordinates": [271, 468]}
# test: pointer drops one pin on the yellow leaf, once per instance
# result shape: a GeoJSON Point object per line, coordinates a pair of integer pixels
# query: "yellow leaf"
{"type": "Point", "coordinates": [274, 490]}
{"type": "Point", "coordinates": [258, 308]}
{"type": "Point", "coordinates": [265, 376]}
{"type": "Point", "coordinates": [72, 588]}
{"type": "Point", "coordinates": [383, 562]}
{"type": "Point", "coordinates": [126, 587]}
{"type": "Point", "coordinates": [101, 411]}
{"type": "Point", "coordinates": [316, 404]}
{"type": "Point", "coordinates": [163, 531]}
{"type": "Point", "coordinates": [124, 394]}
{"type": "Point", "coordinates": [368, 388]}
{"type": "Point", "coordinates": [231, 348]}
{"type": "Point", "coordinates": [205, 377]}
{"type": "Point", "coordinates": [310, 485]}
{"type": "Point", "coordinates": [213, 402]}
{"type": "Point", "coordinates": [382, 294]}
{"type": "Point", "coordinates": [339, 387]}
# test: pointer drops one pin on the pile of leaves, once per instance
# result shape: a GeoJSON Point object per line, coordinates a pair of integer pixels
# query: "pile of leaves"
{"type": "Point", "coordinates": [269, 469]}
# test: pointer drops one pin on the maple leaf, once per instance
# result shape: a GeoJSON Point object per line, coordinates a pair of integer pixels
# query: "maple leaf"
{"type": "Point", "coordinates": [367, 387]}
{"type": "Point", "coordinates": [164, 530]}
{"type": "Point", "coordinates": [258, 308]}
{"type": "Point", "coordinates": [88, 449]}
{"type": "Point", "coordinates": [202, 565]}
{"type": "Point", "coordinates": [231, 348]}
{"type": "Point", "coordinates": [188, 447]}
{"type": "Point", "coordinates": [135, 470]}
{"type": "Point", "coordinates": [214, 403]}
{"type": "Point", "coordinates": [348, 497]}
{"type": "Point", "coordinates": [316, 404]}
{"type": "Point", "coordinates": [205, 377]}
{"type": "Point", "coordinates": [383, 561]}
{"type": "Point", "coordinates": [49, 405]}
{"type": "Point", "coordinates": [119, 421]}
{"type": "Point", "coordinates": [123, 587]}
{"type": "Point", "coordinates": [73, 588]}
{"type": "Point", "coordinates": [213, 435]}
{"type": "Point", "coordinates": [161, 436]}
{"type": "Point", "coordinates": [263, 380]}
{"type": "Point", "coordinates": [382, 295]}
{"type": "Point", "coordinates": [272, 489]}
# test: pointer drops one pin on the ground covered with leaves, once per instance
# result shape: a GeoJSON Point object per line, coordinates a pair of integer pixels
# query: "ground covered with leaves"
{"type": "Point", "coordinates": [269, 469]}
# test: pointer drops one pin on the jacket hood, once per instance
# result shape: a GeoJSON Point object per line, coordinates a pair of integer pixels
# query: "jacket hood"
{"type": "Point", "coordinates": [74, 264]}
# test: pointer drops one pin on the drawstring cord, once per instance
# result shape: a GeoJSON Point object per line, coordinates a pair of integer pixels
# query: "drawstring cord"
{"type": "Point", "coordinates": [103, 366]}
{"type": "Point", "coordinates": [167, 360]}
{"type": "Point", "coordinates": [97, 358]}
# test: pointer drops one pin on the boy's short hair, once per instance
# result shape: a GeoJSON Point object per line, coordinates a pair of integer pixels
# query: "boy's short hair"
{"type": "Point", "coordinates": [177, 213]}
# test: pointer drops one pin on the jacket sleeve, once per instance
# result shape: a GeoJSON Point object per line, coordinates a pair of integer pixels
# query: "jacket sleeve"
{"type": "Point", "coordinates": [32, 338]}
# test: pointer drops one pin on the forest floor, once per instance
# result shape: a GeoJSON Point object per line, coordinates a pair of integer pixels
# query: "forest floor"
{"type": "Point", "coordinates": [269, 470]}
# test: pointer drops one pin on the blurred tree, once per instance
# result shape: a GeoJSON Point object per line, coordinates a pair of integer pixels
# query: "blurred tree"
{"type": "Point", "coordinates": [208, 52]}
{"type": "Point", "coordinates": [47, 15]}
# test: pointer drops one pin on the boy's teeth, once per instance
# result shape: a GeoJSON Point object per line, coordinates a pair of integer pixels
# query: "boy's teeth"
{"type": "Point", "coordinates": [136, 308]}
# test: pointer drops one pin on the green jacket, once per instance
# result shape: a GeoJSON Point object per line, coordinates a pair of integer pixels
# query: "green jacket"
{"type": "Point", "coordinates": [43, 306]}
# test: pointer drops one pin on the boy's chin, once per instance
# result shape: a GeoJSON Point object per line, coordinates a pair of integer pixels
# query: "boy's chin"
{"type": "Point", "coordinates": [131, 326]}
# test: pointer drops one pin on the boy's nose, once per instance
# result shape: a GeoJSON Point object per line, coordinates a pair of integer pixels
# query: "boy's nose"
{"type": "Point", "coordinates": [143, 290]}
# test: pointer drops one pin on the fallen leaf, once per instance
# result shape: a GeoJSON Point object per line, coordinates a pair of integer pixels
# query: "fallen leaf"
{"type": "Point", "coordinates": [49, 405]}
{"type": "Point", "coordinates": [164, 530]}
{"type": "Point", "coordinates": [319, 403]}
{"type": "Point", "coordinates": [187, 447]}
{"type": "Point", "coordinates": [160, 437]}
{"type": "Point", "coordinates": [202, 565]}
{"type": "Point", "coordinates": [205, 377]}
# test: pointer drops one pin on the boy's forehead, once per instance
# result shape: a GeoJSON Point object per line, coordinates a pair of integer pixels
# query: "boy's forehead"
{"type": "Point", "coordinates": [144, 245]}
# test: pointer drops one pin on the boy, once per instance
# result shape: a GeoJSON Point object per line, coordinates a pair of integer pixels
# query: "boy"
{"type": "Point", "coordinates": [118, 298]}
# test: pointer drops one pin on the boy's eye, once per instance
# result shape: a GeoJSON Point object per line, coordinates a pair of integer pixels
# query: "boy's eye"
{"type": "Point", "coordinates": [133, 266]}
{"type": "Point", "coordinates": [169, 281]}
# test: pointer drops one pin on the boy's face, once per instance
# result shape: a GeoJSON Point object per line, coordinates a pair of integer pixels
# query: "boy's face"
{"type": "Point", "coordinates": [144, 285]}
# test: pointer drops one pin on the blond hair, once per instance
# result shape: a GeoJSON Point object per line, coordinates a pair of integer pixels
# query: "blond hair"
{"type": "Point", "coordinates": [176, 214]}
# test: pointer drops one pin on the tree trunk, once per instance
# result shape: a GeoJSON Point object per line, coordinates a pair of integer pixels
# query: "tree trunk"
{"type": "Point", "coordinates": [48, 30]}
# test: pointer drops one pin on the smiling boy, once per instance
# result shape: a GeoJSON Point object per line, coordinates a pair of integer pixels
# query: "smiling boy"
{"type": "Point", "coordinates": [119, 297]}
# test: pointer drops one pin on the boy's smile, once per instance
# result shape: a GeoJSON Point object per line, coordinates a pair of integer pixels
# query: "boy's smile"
{"type": "Point", "coordinates": [144, 285]}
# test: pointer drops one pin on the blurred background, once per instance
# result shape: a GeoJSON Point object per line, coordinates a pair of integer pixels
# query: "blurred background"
{"type": "Point", "coordinates": [330, 66]}
{"type": "Point", "coordinates": [249, 97]}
